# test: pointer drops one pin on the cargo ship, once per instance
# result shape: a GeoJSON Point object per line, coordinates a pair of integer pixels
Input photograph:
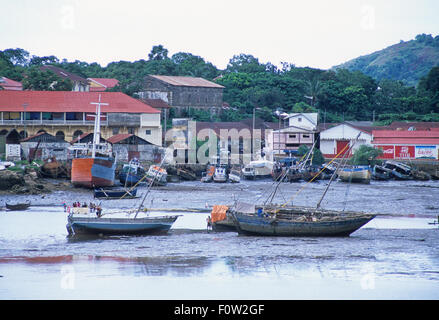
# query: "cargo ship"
{"type": "Point", "coordinates": [93, 164]}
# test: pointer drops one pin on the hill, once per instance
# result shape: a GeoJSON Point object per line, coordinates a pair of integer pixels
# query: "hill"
{"type": "Point", "coordinates": [406, 61]}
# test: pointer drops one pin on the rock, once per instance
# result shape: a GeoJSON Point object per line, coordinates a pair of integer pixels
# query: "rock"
{"type": "Point", "coordinates": [9, 178]}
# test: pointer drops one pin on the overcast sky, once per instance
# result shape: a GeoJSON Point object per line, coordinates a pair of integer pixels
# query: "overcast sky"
{"type": "Point", "coordinates": [314, 33]}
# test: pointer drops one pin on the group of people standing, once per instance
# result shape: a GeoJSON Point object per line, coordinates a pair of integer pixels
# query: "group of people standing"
{"type": "Point", "coordinates": [93, 207]}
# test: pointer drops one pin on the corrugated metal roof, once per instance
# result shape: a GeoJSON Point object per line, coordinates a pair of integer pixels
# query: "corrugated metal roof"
{"type": "Point", "coordinates": [71, 101]}
{"type": "Point", "coordinates": [187, 81]}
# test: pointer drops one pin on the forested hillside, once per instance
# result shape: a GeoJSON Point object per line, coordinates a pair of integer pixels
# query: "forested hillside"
{"type": "Point", "coordinates": [406, 61]}
{"type": "Point", "coordinates": [251, 85]}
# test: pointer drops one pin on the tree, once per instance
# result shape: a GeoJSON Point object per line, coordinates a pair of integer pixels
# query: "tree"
{"type": "Point", "coordinates": [365, 155]}
{"type": "Point", "coordinates": [36, 79]}
{"type": "Point", "coordinates": [245, 63]}
{"type": "Point", "coordinates": [158, 53]}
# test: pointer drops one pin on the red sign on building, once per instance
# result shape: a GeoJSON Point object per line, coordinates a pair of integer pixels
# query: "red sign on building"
{"type": "Point", "coordinates": [404, 152]}
{"type": "Point", "coordinates": [388, 152]}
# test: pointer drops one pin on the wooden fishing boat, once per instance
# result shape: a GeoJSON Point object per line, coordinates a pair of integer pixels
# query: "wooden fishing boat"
{"type": "Point", "coordinates": [131, 173]}
{"type": "Point", "coordinates": [221, 220]}
{"type": "Point", "coordinates": [234, 176]}
{"type": "Point", "coordinates": [400, 171]}
{"type": "Point", "coordinates": [297, 221]}
{"type": "Point", "coordinates": [381, 173]}
{"type": "Point", "coordinates": [258, 169]}
{"type": "Point", "coordinates": [91, 224]}
{"type": "Point", "coordinates": [18, 206]}
{"type": "Point", "coordinates": [53, 168]}
{"type": "Point", "coordinates": [360, 174]}
{"type": "Point", "coordinates": [208, 175]}
{"type": "Point", "coordinates": [220, 174]}
{"type": "Point", "coordinates": [157, 176]}
{"type": "Point", "coordinates": [115, 193]}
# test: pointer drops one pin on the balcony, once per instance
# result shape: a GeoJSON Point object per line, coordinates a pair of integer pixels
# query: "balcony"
{"type": "Point", "coordinates": [51, 122]}
{"type": "Point", "coordinates": [50, 118]}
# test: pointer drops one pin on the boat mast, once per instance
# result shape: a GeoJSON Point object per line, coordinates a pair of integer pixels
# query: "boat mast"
{"type": "Point", "coordinates": [335, 171]}
{"type": "Point", "coordinates": [97, 127]}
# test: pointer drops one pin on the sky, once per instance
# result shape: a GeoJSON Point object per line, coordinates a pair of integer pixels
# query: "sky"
{"type": "Point", "coordinates": [314, 33]}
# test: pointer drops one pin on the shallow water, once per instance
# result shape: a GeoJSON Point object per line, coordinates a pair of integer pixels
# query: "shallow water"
{"type": "Point", "coordinates": [394, 256]}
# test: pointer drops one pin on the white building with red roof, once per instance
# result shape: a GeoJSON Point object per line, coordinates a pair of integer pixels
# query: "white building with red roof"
{"type": "Point", "coordinates": [69, 114]}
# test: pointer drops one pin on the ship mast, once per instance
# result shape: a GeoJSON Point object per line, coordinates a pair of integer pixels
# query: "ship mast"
{"type": "Point", "coordinates": [97, 127]}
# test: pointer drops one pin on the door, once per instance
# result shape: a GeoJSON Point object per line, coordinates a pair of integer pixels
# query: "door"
{"type": "Point", "coordinates": [342, 144]}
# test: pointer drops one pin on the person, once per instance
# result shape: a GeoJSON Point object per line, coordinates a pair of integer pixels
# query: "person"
{"type": "Point", "coordinates": [99, 211]}
{"type": "Point", "coordinates": [209, 223]}
{"type": "Point", "coordinates": [65, 206]}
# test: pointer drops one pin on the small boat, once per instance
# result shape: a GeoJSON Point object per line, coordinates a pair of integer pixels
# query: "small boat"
{"type": "Point", "coordinates": [131, 173]}
{"type": "Point", "coordinates": [297, 221]}
{"type": "Point", "coordinates": [87, 223]}
{"type": "Point", "coordinates": [310, 173]}
{"type": "Point", "coordinates": [220, 174]}
{"type": "Point", "coordinates": [18, 206]}
{"type": "Point", "coordinates": [221, 220]}
{"type": "Point", "coordinates": [420, 175]}
{"type": "Point", "coordinates": [400, 171]}
{"type": "Point", "coordinates": [157, 176]}
{"type": "Point", "coordinates": [327, 171]}
{"type": "Point", "coordinates": [381, 173]}
{"type": "Point", "coordinates": [53, 168]}
{"type": "Point", "coordinates": [360, 174]}
{"type": "Point", "coordinates": [234, 176]}
{"type": "Point", "coordinates": [294, 174]}
{"type": "Point", "coordinates": [208, 175]}
{"type": "Point", "coordinates": [258, 169]}
{"type": "Point", "coordinates": [115, 193]}
{"type": "Point", "coordinates": [186, 174]}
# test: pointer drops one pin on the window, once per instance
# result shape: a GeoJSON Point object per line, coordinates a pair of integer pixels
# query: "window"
{"type": "Point", "coordinates": [299, 119]}
{"type": "Point", "coordinates": [292, 136]}
{"type": "Point", "coordinates": [131, 130]}
{"type": "Point", "coordinates": [116, 130]}
{"type": "Point", "coordinates": [305, 136]}
{"type": "Point", "coordinates": [148, 132]}
{"type": "Point", "coordinates": [60, 135]}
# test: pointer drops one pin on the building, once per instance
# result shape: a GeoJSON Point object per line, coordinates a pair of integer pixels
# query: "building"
{"type": "Point", "coordinates": [8, 84]}
{"type": "Point", "coordinates": [129, 146]}
{"type": "Point", "coordinates": [43, 146]}
{"type": "Point", "coordinates": [184, 93]}
{"type": "Point", "coordinates": [407, 144]}
{"type": "Point", "coordinates": [301, 130]}
{"type": "Point", "coordinates": [102, 84]}
{"type": "Point", "coordinates": [69, 114]}
{"type": "Point", "coordinates": [338, 139]}
{"type": "Point", "coordinates": [79, 83]}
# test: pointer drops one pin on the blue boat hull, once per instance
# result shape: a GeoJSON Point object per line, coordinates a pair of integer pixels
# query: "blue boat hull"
{"type": "Point", "coordinates": [129, 179]}
{"type": "Point", "coordinates": [119, 226]}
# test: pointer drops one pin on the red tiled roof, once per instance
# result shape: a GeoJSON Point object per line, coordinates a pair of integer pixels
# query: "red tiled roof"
{"type": "Point", "coordinates": [416, 125]}
{"type": "Point", "coordinates": [187, 81]}
{"type": "Point", "coordinates": [407, 137]}
{"type": "Point", "coordinates": [119, 137]}
{"type": "Point", "coordinates": [71, 101]}
{"type": "Point", "coordinates": [9, 84]}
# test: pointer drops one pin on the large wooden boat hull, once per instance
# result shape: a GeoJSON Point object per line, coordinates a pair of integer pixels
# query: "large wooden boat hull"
{"type": "Point", "coordinates": [114, 194]}
{"type": "Point", "coordinates": [359, 175]}
{"type": "Point", "coordinates": [250, 224]}
{"type": "Point", "coordinates": [120, 226]}
{"type": "Point", "coordinates": [93, 172]}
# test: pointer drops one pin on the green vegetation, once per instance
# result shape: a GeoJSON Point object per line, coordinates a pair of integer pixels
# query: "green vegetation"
{"type": "Point", "coordinates": [365, 155]}
{"type": "Point", "coordinates": [252, 86]}
{"type": "Point", "coordinates": [406, 61]}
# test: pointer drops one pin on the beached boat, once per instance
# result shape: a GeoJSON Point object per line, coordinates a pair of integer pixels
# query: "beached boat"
{"type": "Point", "coordinates": [310, 173]}
{"type": "Point", "coordinates": [208, 175]}
{"type": "Point", "coordinates": [221, 220]}
{"type": "Point", "coordinates": [88, 223]}
{"type": "Point", "coordinates": [115, 193]}
{"type": "Point", "coordinates": [53, 168]}
{"type": "Point", "coordinates": [220, 174]}
{"type": "Point", "coordinates": [131, 173]}
{"type": "Point", "coordinates": [93, 164]}
{"type": "Point", "coordinates": [360, 174]}
{"type": "Point", "coordinates": [258, 169]}
{"type": "Point", "coordinates": [381, 173]}
{"type": "Point", "coordinates": [157, 176]}
{"type": "Point", "coordinates": [400, 171]}
{"type": "Point", "coordinates": [296, 221]}
{"type": "Point", "coordinates": [234, 176]}
{"type": "Point", "coordinates": [18, 206]}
